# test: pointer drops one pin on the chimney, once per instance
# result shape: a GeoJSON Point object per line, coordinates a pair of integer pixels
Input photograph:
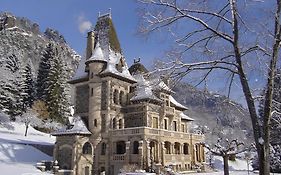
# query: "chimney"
{"type": "Point", "coordinates": [90, 44]}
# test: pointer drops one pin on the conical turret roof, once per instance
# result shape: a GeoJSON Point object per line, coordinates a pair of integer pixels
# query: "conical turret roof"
{"type": "Point", "coordinates": [97, 54]}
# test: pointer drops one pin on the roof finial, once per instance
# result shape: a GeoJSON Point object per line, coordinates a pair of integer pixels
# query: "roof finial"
{"type": "Point", "coordinates": [109, 12]}
{"type": "Point", "coordinates": [99, 14]}
{"type": "Point", "coordinates": [137, 60]}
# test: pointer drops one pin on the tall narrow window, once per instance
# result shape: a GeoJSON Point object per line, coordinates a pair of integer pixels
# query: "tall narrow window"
{"type": "Point", "coordinates": [165, 123]}
{"type": "Point", "coordinates": [136, 147]}
{"type": "Point", "coordinates": [182, 128]}
{"type": "Point", "coordinates": [103, 148]}
{"type": "Point", "coordinates": [114, 123]}
{"type": "Point", "coordinates": [185, 148]}
{"type": "Point", "coordinates": [155, 122]}
{"type": "Point", "coordinates": [92, 92]}
{"type": "Point", "coordinates": [115, 97]}
{"type": "Point", "coordinates": [121, 98]}
{"type": "Point", "coordinates": [95, 123]}
{"type": "Point", "coordinates": [174, 125]}
{"type": "Point", "coordinates": [120, 122]}
{"type": "Point", "coordinates": [87, 170]}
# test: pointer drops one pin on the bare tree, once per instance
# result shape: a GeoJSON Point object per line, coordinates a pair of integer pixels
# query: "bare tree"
{"type": "Point", "coordinates": [225, 149]}
{"type": "Point", "coordinates": [29, 118]}
{"type": "Point", "coordinates": [222, 36]}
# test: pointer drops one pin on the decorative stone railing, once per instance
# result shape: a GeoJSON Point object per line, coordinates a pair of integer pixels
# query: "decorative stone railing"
{"type": "Point", "coordinates": [118, 157]}
{"type": "Point", "coordinates": [176, 158]}
{"type": "Point", "coordinates": [154, 132]}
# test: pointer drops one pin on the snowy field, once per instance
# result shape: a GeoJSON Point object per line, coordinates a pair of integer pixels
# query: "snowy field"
{"type": "Point", "coordinates": [16, 156]}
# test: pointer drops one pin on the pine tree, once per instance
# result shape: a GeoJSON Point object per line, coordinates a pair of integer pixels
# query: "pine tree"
{"type": "Point", "coordinates": [28, 87]}
{"type": "Point", "coordinates": [11, 89]}
{"type": "Point", "coordinates": [57, 101]}
{"type": "Point", "coordinates": [43, 72]}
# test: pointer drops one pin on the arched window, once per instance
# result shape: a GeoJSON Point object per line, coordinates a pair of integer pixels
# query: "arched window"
{"type": "Point", "coordinates": [115, 97]}
{"type": "Point", "coordinates": [120, 147]}
{"type": "Point", "coordinates": [87, 148]}
{"type": "Point", "coordinates": [122, 98]}
{"type": "Point", "coordinates": [185, 148]}
{"type": "Point", "coordinates": [114, 123]}
{"type": "Point", "coordinates": [168, 147]}
{"type": "Point", "coordinates": [136, 147]}
{"type": "Point", "coordinates": [87, 170]}
{"type": "Point", "coordinates": [103, 148]}
{"type": "Point", "coordinates": [177, 148]}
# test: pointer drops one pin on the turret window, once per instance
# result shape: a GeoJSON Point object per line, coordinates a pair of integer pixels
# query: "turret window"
{"type": "Point", "coordinates": [87, 148]}
{"type": "Point", "coordinates": [95, 123]}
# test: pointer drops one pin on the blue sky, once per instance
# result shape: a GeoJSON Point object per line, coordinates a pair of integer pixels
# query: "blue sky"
{"type": "Point", "coordinates": [72, 18]}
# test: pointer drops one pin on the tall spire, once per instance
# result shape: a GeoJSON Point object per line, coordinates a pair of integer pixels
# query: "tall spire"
{"type": "Point", "coordinates": [106, 33]}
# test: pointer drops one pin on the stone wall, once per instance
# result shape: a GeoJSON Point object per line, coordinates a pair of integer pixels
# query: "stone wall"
{"type": "Point", "coordinates": [82, 99]}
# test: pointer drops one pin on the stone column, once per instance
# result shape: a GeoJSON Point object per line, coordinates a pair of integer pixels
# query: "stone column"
{"type": "Point", "coordinates": [127, 154]}
{"type": "Point", "coordinates": [141, 154]}
{"type": "Point", "coordinates": [163, 152]}
{"type": "Point", "coordinates": [148, 163]}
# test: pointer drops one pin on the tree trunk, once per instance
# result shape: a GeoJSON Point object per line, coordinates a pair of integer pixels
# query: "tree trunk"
{"type": "Point", "coordinates": [225, 165]}
{"type": "Point", "coordinates": [26, 128]}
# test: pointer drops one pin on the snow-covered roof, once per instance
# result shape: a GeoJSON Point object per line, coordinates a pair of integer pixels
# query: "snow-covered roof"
{"type": "Point", "coordinates": [177, 104]}
{"type": "Point", "coordinates": [183, 116]}
{"type": "Point", "coordinates": [97, 54]}
{"type": "Point", "coordinates": [78, 128]}
{"type": "Point", "coordinates": [80, 72]}
{"type": "Point", "coordinates": [114, 58]}
{"type": "Point", "coordinates": [143, 90]}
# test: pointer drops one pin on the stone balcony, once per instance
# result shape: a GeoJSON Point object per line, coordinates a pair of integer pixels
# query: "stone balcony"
{"type": "Point", "coordinates": [169, 110]}
{"type": "Point", "coordinates": [154, 132]}
{"type": "Point", "coordinates": [169, 158]}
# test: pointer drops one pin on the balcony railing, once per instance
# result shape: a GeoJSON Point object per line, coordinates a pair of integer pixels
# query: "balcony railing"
{"type": "Point", "coordinates": [118, 157]}
{"type": "Point", "coordinates": [154, 132]}
{"type": "Point", "coordinates": [176, 158]}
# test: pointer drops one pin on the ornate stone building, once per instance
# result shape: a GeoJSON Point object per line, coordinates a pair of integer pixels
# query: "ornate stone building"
{"type": "Point", "coordinates": [127, 117]}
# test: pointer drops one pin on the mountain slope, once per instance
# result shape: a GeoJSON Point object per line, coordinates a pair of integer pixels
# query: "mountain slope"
{"type": "Point", "coordinates": [216, 115]}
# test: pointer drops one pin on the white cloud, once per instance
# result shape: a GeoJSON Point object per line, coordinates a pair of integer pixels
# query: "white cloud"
{"type": "Point", "coordinates": [84, 25]}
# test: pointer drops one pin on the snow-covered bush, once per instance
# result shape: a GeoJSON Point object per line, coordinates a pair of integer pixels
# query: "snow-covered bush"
{"type": "Point", "coordinates": [5, 120]}
{"type": "Point", "coordinates": [29, 118]}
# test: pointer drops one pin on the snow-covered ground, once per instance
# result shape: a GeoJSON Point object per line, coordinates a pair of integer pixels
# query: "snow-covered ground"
{"type": "Point", "coordinates": [17, 157]}
{"type": "Point", "coordinates": [237, 167]}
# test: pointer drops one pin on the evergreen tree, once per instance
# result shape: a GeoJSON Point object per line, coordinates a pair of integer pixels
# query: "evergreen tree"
{"type": "Point", "coordinates": [28, 87]}
{"type": "Point", "coordinates": [43, 72]}
{"type": "Point", "coordinates": [58, 105]}
{"type": "Point", "coordinates": [11, 89]}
